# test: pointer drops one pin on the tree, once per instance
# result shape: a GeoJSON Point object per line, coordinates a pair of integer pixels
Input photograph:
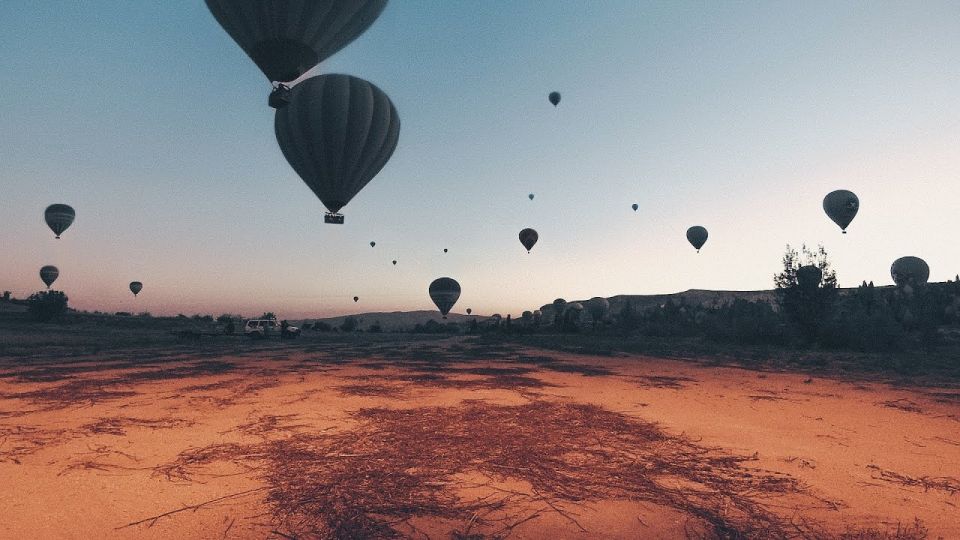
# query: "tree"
{"type": "Point", "coordinates": [268, 315]}
{"type": "Point", "coordinates": [808, 309]}
{"type": "Point", "coordinates": [47, 305]}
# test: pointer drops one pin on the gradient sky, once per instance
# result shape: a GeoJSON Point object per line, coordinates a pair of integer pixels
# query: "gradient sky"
{"type": "Point", "coordinates": [153, 124]}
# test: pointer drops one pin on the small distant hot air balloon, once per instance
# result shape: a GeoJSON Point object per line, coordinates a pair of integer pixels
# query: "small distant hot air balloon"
{"type": "Point", "coordinates": [286, 39]}
{"type": "Point", "coordinates": [444, 292]}
{"type": "Point", "coordinates": [59, 217]}
{"type": "Point", "coordinates": [49, 274]}
{"type": "Point", "coordinates": [909, 271]}
{"type": "Point", "coordinates": [136, 287]}
{"type": "Point", "coordinates": [356, 298]}
{"type": "Point", "coordinates": [554, 98]}
{"type": "Point", "coordinates": [444, 250]}
{"type": "Point", "coordinates": [809, 276]}
{"type": "Point", "coordinates": [530, 196]}
{"type": "Point", "coordinates": [469, 311]}
{"type": "Point", "coordinates": [528, 237]}
{"type": "Point", "coordinates": [697, 236]}
{"type": "Point", "coordinates": [337, 133]}
{"type": "Point", "coordinates": [394, 263]}
{"type": "Point", "coordinates": [635, 206]}
{"type": "Point", "coordinates": [841, 206]}
{"type": "Point", "coordinates": [373, 244]}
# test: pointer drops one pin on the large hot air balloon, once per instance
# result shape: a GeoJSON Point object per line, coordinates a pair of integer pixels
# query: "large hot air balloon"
{"type": "Point", "coordinates": [598, 308]}
{"type": "Point", "coordinates": [59, 217]}
{"type": "Point", "coordinates": [136, 287]}
{"type": "Point", "coordinates": [444, 292]}
{"type": "Point", "coordinates": [911, 271]}
{"type": "Point", "coordinates": [528, 237]}
{"type": "Point", "coordinates": [49, 274]}
{"type": "Point", "coordinates": [554, 98]}
{"type": "Point", "coordinates": [697, 236]}
{"type": "Point", "coordinates": [530, 196]}
{"type": "Point", "coordinates": [337, 133]}
{"type": "Point", "coordinates": [285, 38]}
{"type": "Point", "coordinates": [841, 206]}
{"type": "Point", "coordinates": [635, 206]}
{"type": "Point", "coordinates": [373, 244]}
{"type": "Point", "coordinates": [809, 276]}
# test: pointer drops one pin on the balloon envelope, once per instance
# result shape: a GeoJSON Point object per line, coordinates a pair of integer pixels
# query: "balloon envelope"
{"type": "Point", "coordinates": [530, 196]}
{"type": "Point", "coordinates": [59, 217]}
{"type": "Point", "coordinates": [469, 311]}
{"type": "Point", "coordinates": [136, 287]}
{"type": "Point", "coordinates": [49, 274]}
{"type": "Point", "coordinates": [394, 263]}
{"type": "Point", "coordinates": [337, 133]}
{"type": "Point", "coordinates": [635, 206]}
{"type": "Point", "coordinates": [444, 292]}
{"type": "Point", "coordinates": [286, 38]}
{"type": "Point", "coordinates": [554, 98]}
{"type": "Point", "coordinates": [356, 298]}
{"type": "Point", "coordinates": [697, 236]}
{"type": "Point", "coordinates": [910, 271]}
{"type": "Point", "coordinates": [841, 206]}
{"type": "Point", "coordinates": [528, 237]}
{"type": "Point", "coordinates": [809, 276]}
{"type": "Point", "coordinates": [372, 244]}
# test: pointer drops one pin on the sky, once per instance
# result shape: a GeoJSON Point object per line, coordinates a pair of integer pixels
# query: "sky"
{"type": "Point", "coordinates": [738, 116]}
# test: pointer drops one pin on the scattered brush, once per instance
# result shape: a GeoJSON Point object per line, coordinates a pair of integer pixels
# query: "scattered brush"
{"type": "Point", "coordinates": [371, 390]}
{"type": "Point", "coordinates": [915, 531]}
{"type": "Point", "coordinates": [118, 425]}
{"type": "Point", "coordinates": [398, 464]}
{"type": "Point", "coordinates": [939, 483]}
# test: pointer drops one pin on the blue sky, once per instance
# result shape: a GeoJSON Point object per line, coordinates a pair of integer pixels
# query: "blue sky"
{"type": "Point", "coordinates": [153, 124]}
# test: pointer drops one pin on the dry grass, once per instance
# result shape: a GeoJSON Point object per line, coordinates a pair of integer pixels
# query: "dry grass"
{"type": "Point", "coordinates": [940, 483]}
{"type": "Point", "coordinates": [397, 464]}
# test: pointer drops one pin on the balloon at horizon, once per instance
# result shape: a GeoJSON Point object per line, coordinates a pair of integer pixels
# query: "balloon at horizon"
{"type": "Point", "coordinates": [195, 180]}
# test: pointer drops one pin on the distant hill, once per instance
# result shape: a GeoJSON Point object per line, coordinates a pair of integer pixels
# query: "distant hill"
{"type": "Point", "coordinates": [641, 302]}
{"type": "Point", "coordinates": [396, 320]}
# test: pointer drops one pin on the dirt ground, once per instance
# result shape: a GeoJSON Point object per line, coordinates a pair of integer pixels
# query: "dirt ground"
{"type": "Point", "coordinates": [456, 439]}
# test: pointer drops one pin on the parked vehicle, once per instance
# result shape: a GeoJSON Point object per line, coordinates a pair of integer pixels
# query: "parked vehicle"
{"type": "Point", "coordinates": [263, 328]}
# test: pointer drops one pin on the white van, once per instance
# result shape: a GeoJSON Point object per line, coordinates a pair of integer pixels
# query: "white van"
{"type": "Point", "coordinates": [261, 328]}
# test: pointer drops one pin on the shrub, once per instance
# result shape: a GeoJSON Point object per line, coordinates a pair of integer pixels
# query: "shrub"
{"type": "Point", "coordinates": [47, 305]}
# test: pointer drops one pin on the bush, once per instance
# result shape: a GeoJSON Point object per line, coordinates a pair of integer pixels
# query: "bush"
{"type": "Point", "coordinates": [46, 306]}
{"type": "Point", "coordinates": [349, 324]}
{"type": "Point", "coordinates": [321, 326]}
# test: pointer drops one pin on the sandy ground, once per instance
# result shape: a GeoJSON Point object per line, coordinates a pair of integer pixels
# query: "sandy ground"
{"type": "Point", "coordinates": [467, 443]}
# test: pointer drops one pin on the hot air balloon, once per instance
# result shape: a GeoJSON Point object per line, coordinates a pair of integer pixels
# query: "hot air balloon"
{"type": "Point", "coordinates": [598, 308]}
{"type": "Point", "coordinates": [337, 133]}
{"type": "Point", "coordinates": [444, 292]}
{"type": "Point", "coordinates": [530, 196]}
{"type": "Point", "coordinates": [469, 311]}
{"type": "Point", "coordinates": [554, 98]}
{"type": "Point", "coordinates": [49, 274]}
{"type": "Point", "coordinates": [372, 244]}
{"type": "Point", "coordinates": [356, 298]}
{"type": "Point", "coordinates": [528, 237]}
{"type": "Point", "coordinates": [635, 206]}
{"type": "Point", "coordinates": [697, 236]}
{"type": "Point", "coordinates": [444, 250]}
{"type": "Point", "coordinates": [841, 206]}
{"type": "Point", "coordinates": [59, 217]}
{"type": "Point", "coordinates": [136, 287]}
{"type": "Point", "coordinates": [912, 271]}
{"type": "Point", "coordinates": [394, 263]}
{"type": "Point", "coordinates": [287, 38]}
{"type": "Point", "coordinates": [809, 276]}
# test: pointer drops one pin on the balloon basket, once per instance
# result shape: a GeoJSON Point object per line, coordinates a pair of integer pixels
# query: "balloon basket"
{"type": "Point", "coordinates": [333, 218]}
{"type": "Point", "coordinates": [280, 97]}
